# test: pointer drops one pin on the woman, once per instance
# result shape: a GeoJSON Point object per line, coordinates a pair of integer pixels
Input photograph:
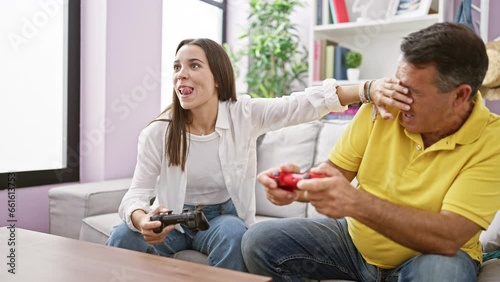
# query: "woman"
{"type": "Point", "coordinates": [200, 153]}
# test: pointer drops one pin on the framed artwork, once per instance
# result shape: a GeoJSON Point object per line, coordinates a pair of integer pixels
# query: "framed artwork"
{"type": "Point", "coordinates": [410, 8]}
{"type": "Point", "coordinates": [371, 10]}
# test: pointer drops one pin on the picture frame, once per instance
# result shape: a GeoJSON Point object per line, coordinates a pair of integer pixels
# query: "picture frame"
{"type": "Point", "coordinates": [410, 8]}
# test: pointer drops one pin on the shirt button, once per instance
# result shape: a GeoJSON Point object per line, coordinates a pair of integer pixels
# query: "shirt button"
{"type": "Point", "coordinates": [419, 148]}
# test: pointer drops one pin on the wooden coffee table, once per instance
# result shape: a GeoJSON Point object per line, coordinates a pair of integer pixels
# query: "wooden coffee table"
{"type": "Point", "coordinates": [45, 257]}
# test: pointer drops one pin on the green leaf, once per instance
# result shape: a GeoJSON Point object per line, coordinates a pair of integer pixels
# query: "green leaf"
{"type": "Point", "coordinates": [276, 59]}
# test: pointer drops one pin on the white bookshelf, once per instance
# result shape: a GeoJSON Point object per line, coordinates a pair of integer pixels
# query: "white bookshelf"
{"type": "Point", "coordinates": [378, 41]}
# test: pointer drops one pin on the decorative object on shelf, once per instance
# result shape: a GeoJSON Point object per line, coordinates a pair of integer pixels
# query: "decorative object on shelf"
{"type": "Point", "coordinates": [371, 10]}
{"type": "Point", "coordinates": [410, 8]}
{"type": "Point", "coordinates": [276, 59]}
{"type": "Point", "coordinates": [353, 60]}
{"type": "Point", "coordinates": [491, 83]}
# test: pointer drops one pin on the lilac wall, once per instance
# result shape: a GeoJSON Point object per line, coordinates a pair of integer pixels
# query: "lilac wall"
{"type": "Point", "coordinates": [133, 80]}
{"type": "Point", "coordinates": [120, 94]}
{"type": "Point", "coordinates": [494, 106]}
{"type": "Point", "coordinates": [124, 48]}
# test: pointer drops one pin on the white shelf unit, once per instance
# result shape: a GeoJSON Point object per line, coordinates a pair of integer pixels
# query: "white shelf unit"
{"type": "Point", "coordinates": [484, 19]}
{"type": "Point", "coordinates": [378, 41]}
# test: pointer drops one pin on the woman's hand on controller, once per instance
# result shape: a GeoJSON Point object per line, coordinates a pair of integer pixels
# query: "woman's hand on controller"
{"type": "Point", "coordinates": [146, 226]}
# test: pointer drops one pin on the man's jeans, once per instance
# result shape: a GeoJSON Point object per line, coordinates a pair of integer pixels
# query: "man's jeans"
{"type": "Point", "coordinates": [293, 249]}
{"type": "Point", "coordinates": [221, 242]}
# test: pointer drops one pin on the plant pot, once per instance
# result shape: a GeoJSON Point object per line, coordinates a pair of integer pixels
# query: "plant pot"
{"type": "Point", "coordinates": [353, 74]}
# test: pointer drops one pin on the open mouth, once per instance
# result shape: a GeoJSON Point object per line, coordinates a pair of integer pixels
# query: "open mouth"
{"type": "Point", "coordinates": [185, 90]}
{"type": "Point", "coordinates": [407, 115]}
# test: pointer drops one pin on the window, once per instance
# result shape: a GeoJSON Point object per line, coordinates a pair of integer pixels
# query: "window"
{"type": "Point", "coordinates": [40, 92]}
{"type": "Point", "coordinates": [187, 19]}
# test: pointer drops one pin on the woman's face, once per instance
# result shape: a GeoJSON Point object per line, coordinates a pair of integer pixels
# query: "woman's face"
{"type": "Point", "coordinates": [192, 79]}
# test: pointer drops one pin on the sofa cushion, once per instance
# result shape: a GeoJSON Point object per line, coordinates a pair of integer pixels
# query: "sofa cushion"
{"type": "Point", "coordinates": [490, 238]}
{"type": "Point", "coordinates": [490, 271]}
{"type": "Point", "coordinates": [192, 256]}
{"type": "Point", "coordinates": [294, 144]}
{"type": "Point", "coordinates": [98, 228]}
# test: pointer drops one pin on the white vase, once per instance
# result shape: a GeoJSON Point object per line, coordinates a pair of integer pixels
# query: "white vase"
{"type": "Point", "coordinates": [352, 74]}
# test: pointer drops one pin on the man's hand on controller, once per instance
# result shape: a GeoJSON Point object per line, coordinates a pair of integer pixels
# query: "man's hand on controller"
{"type": "Point", "coordinates": [146, 226]}
{"type": "Point", "coordinates": [277, 196]}
{"type": "Point", "coordinates": [333, 196]}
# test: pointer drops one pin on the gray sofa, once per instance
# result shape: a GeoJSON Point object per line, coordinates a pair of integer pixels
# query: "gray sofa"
{"type": "Point", "coordinates": [88, 211]}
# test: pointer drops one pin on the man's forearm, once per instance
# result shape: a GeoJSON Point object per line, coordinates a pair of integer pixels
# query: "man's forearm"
{"type": "Point", "coordinates": [422, 231]}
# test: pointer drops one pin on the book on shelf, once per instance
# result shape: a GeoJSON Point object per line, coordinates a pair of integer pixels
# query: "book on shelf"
{"type": "Point", "coordinates": [331, 8]}
{"type": "Point", "coordinates": [319, 12]}
{"type": "Point", "coordinates": [317, 60]}
{"type": "Point", "coordinates": [327, 16]}
{"type": "Point", "coordinates": [338, 10]}
{"type": "Point", "coordinates": [330, 61]}
{"type": "Point", "coordinates": [324, 58]}
{"type": "Point", "coordinates": [323, 15]}
{"type": "Point", "coordinates": [340, 65]}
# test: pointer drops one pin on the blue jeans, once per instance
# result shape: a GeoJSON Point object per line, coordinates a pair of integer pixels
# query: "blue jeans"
{"type": "Point", "coordinates": [294, 249]}
{"type": "Point", "coordinates": [221, 242]}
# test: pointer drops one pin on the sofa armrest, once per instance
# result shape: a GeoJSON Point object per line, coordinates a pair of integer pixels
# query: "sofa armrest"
{"type": "Point", "coordinates": [69, 204]}
{"type": "Point", "coordinates": [490, 238]}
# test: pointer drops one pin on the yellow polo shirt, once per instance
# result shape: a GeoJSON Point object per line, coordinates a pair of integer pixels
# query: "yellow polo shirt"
{"type": "Point", "coordinates": [460, 173]}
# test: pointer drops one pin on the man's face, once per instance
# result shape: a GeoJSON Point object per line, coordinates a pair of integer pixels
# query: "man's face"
{"type": "Point", "coordinates": [431, 111]}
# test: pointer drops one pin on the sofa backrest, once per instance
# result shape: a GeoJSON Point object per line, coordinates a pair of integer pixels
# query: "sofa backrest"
{"type": "Point", "coordinates": [329, 134]}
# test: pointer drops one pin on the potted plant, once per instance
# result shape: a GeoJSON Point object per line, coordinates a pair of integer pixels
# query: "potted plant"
{"type": "Point", "coordinates": [276, 60]}
{"type": "Point", "coordinates": [353, 60]}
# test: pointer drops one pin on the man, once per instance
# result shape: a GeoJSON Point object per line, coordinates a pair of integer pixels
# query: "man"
{"type": "Point", "coordinates": [429, 180]}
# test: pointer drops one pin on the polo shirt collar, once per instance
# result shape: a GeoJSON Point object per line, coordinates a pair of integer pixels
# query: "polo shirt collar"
{"type": "Point", "coordinates": [475, 124]}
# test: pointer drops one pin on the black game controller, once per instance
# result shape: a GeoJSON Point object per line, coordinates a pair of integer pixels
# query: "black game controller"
{"type": "Point", "coordinates": [288, 180]}
{"type": "Point", "coordinates": [195, 220]}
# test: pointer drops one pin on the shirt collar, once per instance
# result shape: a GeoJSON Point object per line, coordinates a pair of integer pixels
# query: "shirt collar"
{"type": "Point", "coordinates": [475, 124]}
{"type": "Point", "coordinates": [223, 115]}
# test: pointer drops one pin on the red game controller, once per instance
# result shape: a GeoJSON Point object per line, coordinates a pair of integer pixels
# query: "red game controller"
{"type": "Point", "coordinates": [288, 180]}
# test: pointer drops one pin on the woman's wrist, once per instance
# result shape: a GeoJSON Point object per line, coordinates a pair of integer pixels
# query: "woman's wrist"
{"type": "Point", "coordinates": [136, 217]}
{"type": "Point", "coordinates": [348, 94]}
